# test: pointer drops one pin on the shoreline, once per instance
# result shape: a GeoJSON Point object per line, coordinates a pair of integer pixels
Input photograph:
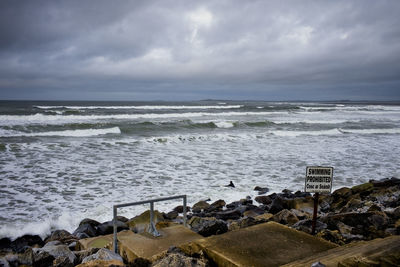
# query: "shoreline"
{"type": "Point", "coordinates": [362, 212]}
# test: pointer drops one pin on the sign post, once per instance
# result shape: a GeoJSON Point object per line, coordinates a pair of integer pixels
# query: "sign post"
{"type": "Point", "coordinates": [318, 180]}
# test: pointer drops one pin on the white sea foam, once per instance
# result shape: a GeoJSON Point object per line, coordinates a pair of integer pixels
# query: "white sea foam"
{"type": "Point", "coordinates": [9, 120]}
{"type": "Point", "coordinates": [148, 107]}
{"type": "Point", "coordinates": [371, 131]}
{"type": "Point", "coordinates": [298, 133]}
{"type": "Point", "coordinates": [224, 124]}
{"type": "Point", "coordinates": [71, 133]}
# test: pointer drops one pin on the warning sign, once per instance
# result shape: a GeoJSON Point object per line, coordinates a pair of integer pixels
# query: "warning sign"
{"type": "Point", "coordinates": [319, 179]}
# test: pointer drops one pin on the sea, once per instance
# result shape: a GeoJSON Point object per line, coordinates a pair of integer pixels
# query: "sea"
{"type": "Point", "coordinates": [61, 162]}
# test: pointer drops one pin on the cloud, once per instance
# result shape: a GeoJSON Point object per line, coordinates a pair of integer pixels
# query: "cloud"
{"type": "Point", "coordinates": [199, 48]}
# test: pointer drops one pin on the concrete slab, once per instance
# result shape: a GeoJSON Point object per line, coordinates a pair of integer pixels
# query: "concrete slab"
{"type": "Point", "coordinates": [267, 244]}
{"type": "Point", "coordinates": [378, 252]}
{"type": "Point", "coordinates": [144, 245]}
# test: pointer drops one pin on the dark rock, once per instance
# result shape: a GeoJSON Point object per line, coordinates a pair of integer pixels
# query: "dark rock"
{"type": "Point", "coordinates": [246, 201]}
{"type": "Point", "coordinates": [179, 209]}
{"type": "Point", "coordinates": [4, 262]}
{"type": "Point", "coordinates": [278, 204]}
{"type": "Point", "coordinates": [72, 246]}
{"type": "Point", "coordinates": [332, 236]}
{"type": "Point", "coordinates": [61, 235]}
{"type": "Point", "coordinates": [62, 261]}
{"type": "Point", "coordinates": [229, 214]}
{"type": "Point", "coordinates": [306, 226]}
{"type": "Point", "coordinates": [171, 215]}
{"type": "Point", "coordinates": [301, 194]}
{"type": "Point", "coordinates": [107, 228]}
{"type": "Point", "coordinates": [208, 226]}
{"type": "Point", "coordinates": [385, 182]}
{"type": "Point", "coordinates": [122, 219]}
{"type": "Point", "coordinates": [42, 259]}
{"type": "Point", "coordinates": [301, 214]}
{"type": "Point", "coordinates": [5, 243]}
{"type": "Point", "coordinates": [25, 258]}
{"type": "Point", "coordinates": [21, 243]}
{"type": "Point", "coordinates": [362, 189]}
{"type": "Point", "coordinates": [87, 229]}
{"type": "Point", "coordinates": [233, 205]}
{"type": "Point", "coordinates": [80, 255]}
{"type": "Point", "coordinates": [261, 190]}
{"type": "Point", "coordinates": [176, 259]}
{"type": "Point", "coordinates": [199, 206]}
{"type": "Point", "coordinates": [396, 213]}
{"type": "Point", "coordinates": [58, 251]}
{"type": "Point", "coordinates": [82, 235]}
{"type": "Point", "coordinates": [243, 223]}
{"type": "Point", "coordinates": [91, 222]}
{"type": "Point", "coordinates": [217, 205]}
{"type": "Point", "coordinates": [374, 207]}
{"type": "Point", "coordinates": [353, 203]}
{"type": "Point", "coordinates": [285, 217]}
{"type": "Point", "coordinates": [263, 200]}
{"type": "Point", "coordinates": [103, 254]}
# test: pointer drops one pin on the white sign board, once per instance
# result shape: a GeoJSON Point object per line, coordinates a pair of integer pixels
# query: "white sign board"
{"type": "Point", "coordinates": [319, 179]}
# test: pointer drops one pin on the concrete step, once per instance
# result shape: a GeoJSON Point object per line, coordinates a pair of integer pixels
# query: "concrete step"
{"type": "Point", "coordinates": [267, 244]}
{"type": "Point", "coordinates": [144, 245]}
{"type": "Point", "coordinates": [377, 252]}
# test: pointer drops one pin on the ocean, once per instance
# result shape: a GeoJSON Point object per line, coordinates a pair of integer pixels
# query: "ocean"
{"type": "Point", "coordinates": [61, 162]}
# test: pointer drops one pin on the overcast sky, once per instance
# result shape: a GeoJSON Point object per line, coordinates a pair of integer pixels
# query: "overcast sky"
{"type": "Point", "coordinates": [191, 50]}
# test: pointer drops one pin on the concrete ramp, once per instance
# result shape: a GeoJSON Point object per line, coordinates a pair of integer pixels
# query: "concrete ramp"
{"type": "Point", "coordinates": [268, 244]}
{"type": "Point", "coordinates": [378, 252]}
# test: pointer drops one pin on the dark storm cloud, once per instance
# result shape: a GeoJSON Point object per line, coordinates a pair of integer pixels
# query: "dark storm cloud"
{"type": "Point", "coordinates": [200, 49]}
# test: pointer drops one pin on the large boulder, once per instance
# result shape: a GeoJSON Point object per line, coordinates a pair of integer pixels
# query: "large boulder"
{"type": "Point", "coordinates": [57, 250]}
{"type": "Point", "coordinates": [306, 226]}
{"type": "Point", "coordinates": [230, 214]}
{"type": "Point", "coordinates": [278, 204]}
{"type": "Point", "coordinates": [140, 224]}
{"type": "Point", "coordinates": [85, 230]}
{"type": "Point", "coordinates": [266, 200]}
{"type": "Point", "coordinates": [20, 244]}
{"type": "Point", "coordinates": [208, 226]}
{"type": "Point", "coordinates": [179, 260]}
{"type": "Point", "coordinates": [243, 223]}
{"type": "Point", "coordinates": [216, 206]}
{"type": "Point", "coordinates": [285, 217]}
{"type": "Point", "coordinates": [107, 228]}
{"type": "Point", "coordinates": [61, 235]}
{"type": "Point", "coordinates": [103, 254]}
{"type": "Point", "coordinates": [200, 206]}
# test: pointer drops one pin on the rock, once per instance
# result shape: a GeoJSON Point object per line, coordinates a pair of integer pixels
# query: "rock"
{"type": "Point", "coordinates": [5, 244]}
{"type": "Point", "coordinates": [344, 229]}
{"type": "Point", "coordinates": [306, 226]}
{"type": "Point", "coordinates": [91, 222]}
{"type": "Point", "coordinates": [285, 217]}
{"type": "Point", "coordinates": [385, 182]}
{"type": "Point", "coordinates": [200, 206]}
{"type": "Point", "coordinates": [207, 226]}
{"type": "Point", "coordinates": [57, 251]}
{"type": "Point", "coordinates": [242, 223]}
{"type": "Point", "coordinates": [246, 201]}
{"type": "Point", "coordinates": [62, 261]}
{"type": "Point", "coordinates": [301, 203]}
{"type": "Point", "coordinates": [353, 203]}
{"type": "Point", "coordinates": [318, 264]}
{"type": "Point", "coordinates": [86, 229]}
{"type": "Point", "coordinates": [80, 255]}
{"type": "Point", "coordinates": [61, 235]}
{"type": "Point", "coordinates": [374, 207]}
{"type": "Point", "coordinates": [301, 215]}
{"type": "Point", "coordinates": [251, 213]}
{"type": "Point", "coordinates": [21, 243]}
{"type": "Point", "coordinates": [261, 190]}
{"type": "Point", "coordinates": [217, 205]}
{"type": "Point", "coordinates": [396, 213]}
{"type": "Point", "coordinates": [233, 205]}
{"type": "Point", "coordinates": [179, 209]}
{"type": "Point", "coordinates": [229, 214]}
{"type": "Point", "coordinates": [263, 200]}
{"type": "Point", "coordinates": [278, 204]}
{"type": "Point", "coordinates": [82, 235]}
{"type": "Point", "coordinates": [179, 260]}
{"type": "Point", "coordinates": [107, 228]}
{"type": "Point", "coordinates": [139, 224]}
{"type": "Point", "coordinates": [112, 263]}
{"type": "Point", "coordinates": [332, 236]}
{"type": "Point", "coordinates": [171, 215]}
{"type": "Point", "coordinates": [122, 219]}
{"type": "Point", "coordinates": [25, 258]}
{"type": "Point", "coordinates": [4, 263]}
{"type": "Point", "coordinates": [264, 217]}
{"type": "Point", "coordinates": [103, 254]}
{"type": "Point", "coordinates": [362, 189]}
{"type": "Point", "coordinates": [342, 193]}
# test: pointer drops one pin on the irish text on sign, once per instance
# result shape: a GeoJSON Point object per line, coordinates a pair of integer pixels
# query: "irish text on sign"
{"type": "Point", "coordinates": [319, 179]}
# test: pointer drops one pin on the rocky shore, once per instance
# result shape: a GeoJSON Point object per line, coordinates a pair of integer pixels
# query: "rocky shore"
{"type": "Point", "coordinates": [363, 212]}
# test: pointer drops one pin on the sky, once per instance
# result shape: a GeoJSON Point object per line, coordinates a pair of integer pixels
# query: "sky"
{"type": "Point", "coordinates": [193, 50]}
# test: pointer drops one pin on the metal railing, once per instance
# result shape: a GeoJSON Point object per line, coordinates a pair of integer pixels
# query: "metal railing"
{"type": "Point", "coordinates": [152, 228]}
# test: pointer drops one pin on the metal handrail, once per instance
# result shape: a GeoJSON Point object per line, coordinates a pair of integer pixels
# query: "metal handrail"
{"type": "Point", "coordinates": [152, 228]}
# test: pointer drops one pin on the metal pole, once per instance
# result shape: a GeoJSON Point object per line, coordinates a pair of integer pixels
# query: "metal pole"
{"type": "Point", "coordinates": [184, 210]}
{"type": "Point", "coordinates": [314, 220]}
{"type": "Point", "coordinates": [152, 227]}
{"type": "Point", "coordinates": [115, 229]}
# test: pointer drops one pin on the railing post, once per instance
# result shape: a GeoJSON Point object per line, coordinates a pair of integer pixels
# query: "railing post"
{"type": "Point", "coordinates": [152, 228]}
{"type": "Point", "coordinates": [184, 210]}
{"type": "Point", "coordinates": [115, 245]}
